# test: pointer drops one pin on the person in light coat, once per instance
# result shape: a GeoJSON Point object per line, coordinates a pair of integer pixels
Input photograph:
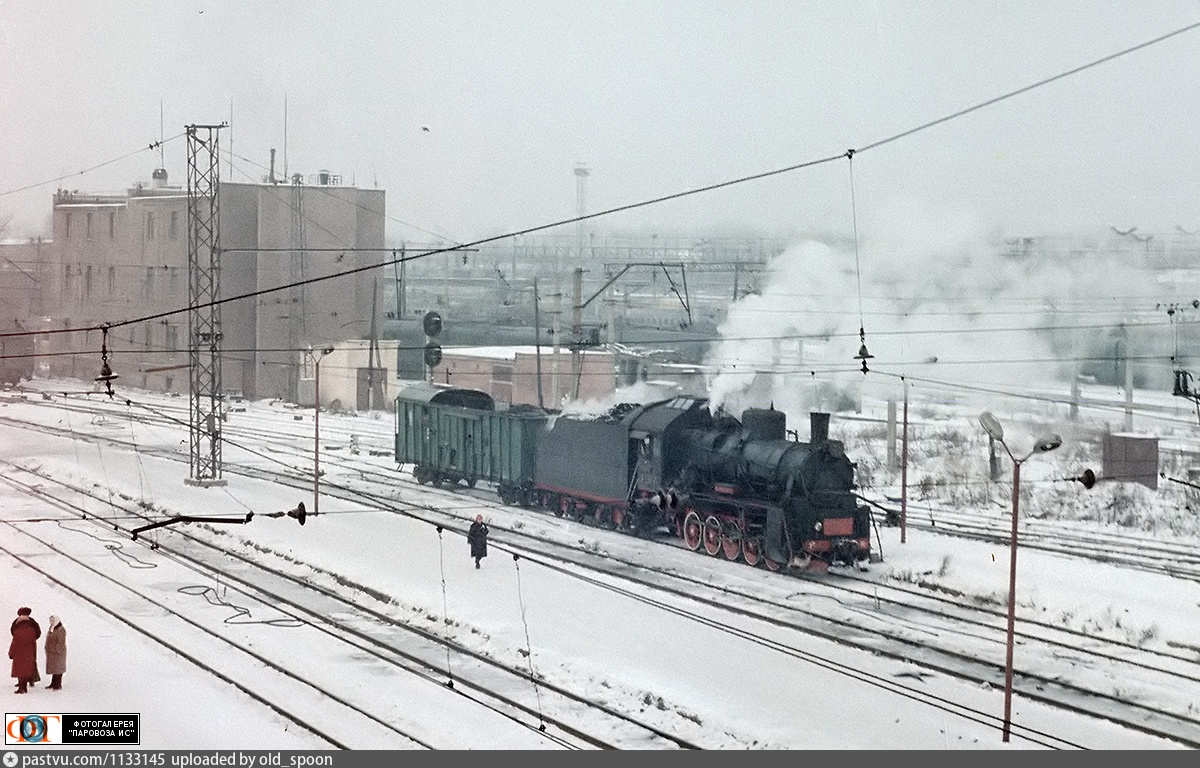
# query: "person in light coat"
{"type": "Point", "coordinates": [56, 652]}
{"type": "Point", "coordinates": [23, 649]}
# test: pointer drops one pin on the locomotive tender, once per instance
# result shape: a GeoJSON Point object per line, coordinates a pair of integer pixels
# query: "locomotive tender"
{"type": "Point", "coordinates": [738, 489]}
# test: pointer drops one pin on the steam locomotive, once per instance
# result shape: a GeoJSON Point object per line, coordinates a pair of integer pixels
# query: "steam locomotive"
{"type": "Point", "coordinates": [737, 489]}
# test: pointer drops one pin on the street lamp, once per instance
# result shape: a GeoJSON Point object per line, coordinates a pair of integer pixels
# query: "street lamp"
{"type": "Point", "coordinates": [1045, 444]}
{"type": "Point", "coordinates": [317, 355]}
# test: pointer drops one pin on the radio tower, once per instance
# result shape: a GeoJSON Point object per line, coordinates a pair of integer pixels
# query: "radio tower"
{"type": "Point", "coordinates": [204, 317]}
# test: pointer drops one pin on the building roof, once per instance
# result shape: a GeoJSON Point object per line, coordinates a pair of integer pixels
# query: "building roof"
{"type": "Point", "coordinates": [510, 353]}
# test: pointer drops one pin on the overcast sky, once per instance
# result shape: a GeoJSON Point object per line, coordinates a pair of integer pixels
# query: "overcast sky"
{"type": "Point", "coordinates": [655, 96]}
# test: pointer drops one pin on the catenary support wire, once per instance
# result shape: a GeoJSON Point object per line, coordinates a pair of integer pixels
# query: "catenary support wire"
{"type": "Point", "coordinates": [863, 354]}
{"type": "Point", "coordinates": [445, 604]}
{"type": "Point", "coordinates": [528, 649]}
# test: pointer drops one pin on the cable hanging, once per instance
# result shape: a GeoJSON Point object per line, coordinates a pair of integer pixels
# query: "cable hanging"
{"type": "Point", "coordinates": [537, 693]}
{"type": "Point", "coordinates": [445, 605]}
{"type": "Point", "coordinates": [863, 354]}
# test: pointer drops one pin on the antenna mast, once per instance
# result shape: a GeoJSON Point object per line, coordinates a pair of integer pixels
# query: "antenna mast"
{"type": "Point", "coordinates": [162, 133]}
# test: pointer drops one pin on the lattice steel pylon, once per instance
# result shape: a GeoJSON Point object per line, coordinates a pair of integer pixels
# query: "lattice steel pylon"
{"type": "Point", "coordinates": [204, 315]}
{"type": "Point", "coordinates": [297, 314]}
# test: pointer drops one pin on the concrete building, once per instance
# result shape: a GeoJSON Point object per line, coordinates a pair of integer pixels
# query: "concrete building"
{"type": "Point", "coordinates": [350, 380]}
{"type": "Point", "coordinates": [24, 267]}
{"type": "Point", "coordinates": [117, 258]}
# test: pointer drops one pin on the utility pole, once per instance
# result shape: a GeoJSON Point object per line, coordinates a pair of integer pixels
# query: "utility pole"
{"type": "Point", "coordinates": [581, 174]}
{"type": "Point", "coordinates": [1128, 387]}
{"type": "Point", "coordinates": [577, 334]}
{"type": "Point", "coordinates": [904, 472]}
{"type": "Point", "coordinates": [537, 341]}
{"type": "Point", "coordinates": [556, 332]}
{"type": "Point", "coordinates": [204, 316]}
{"type": "Point", "coordinates": [374, 360]}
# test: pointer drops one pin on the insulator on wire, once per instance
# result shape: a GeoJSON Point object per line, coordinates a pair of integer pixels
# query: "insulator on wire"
{"type": "Point", "coordinates": [106, 374]}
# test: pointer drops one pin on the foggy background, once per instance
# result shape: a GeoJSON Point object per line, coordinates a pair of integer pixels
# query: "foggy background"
{"type": "Point", "coordinates": [656, 97]}
{"type": "Point", "coordinates": [473, 117]}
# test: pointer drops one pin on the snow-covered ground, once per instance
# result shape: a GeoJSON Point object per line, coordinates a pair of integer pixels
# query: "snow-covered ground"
{"type": "Point", "coordinates": [717, 688]}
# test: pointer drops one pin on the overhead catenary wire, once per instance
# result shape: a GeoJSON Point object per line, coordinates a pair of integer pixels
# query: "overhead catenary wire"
{"type": "Point", "coordinates": [676, 195]}
{"type": "Point", "coordinates": [151, 147]}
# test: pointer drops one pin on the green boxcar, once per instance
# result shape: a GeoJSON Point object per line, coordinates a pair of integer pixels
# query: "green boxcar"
{"type": "Point", "coordinates": [456, 435]}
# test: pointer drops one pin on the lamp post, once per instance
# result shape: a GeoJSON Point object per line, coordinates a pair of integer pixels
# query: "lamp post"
{"type": "Point", "coordinates": [1045, 444]}
{"type": "Point", "coordinates": [317, 356]}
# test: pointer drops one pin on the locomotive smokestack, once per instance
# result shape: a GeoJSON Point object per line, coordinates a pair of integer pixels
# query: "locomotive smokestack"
{"type": "Point", "coordinates": [818, 429]}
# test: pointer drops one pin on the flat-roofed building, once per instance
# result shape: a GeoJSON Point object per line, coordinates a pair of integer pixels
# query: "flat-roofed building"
{"type": "Point", "coordinates": [118, 258]}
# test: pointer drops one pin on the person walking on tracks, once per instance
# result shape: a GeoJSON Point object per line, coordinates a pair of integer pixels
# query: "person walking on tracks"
{"type": "Point", "coordinates": [477, 538]}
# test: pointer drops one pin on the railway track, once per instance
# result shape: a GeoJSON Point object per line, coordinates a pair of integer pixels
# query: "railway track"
{"type": "Point", "coordinates": [903, 616]}
{"type": "Point", "coordinates": [379, 647]}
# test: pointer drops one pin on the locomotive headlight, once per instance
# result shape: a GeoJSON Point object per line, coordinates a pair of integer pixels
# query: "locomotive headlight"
{"type": "Point", "coordinates": [817, 526]}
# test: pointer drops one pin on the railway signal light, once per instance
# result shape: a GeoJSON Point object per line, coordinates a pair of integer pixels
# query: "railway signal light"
{"type": "Point", "coordinates": [431, 323]}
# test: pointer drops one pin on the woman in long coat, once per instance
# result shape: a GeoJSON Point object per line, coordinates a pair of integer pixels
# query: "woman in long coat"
{"type": "Point", "coordinates": [477, 538]}
{"type": "Point", "coordinates": [56, 652]}
{"type": "Point", "coordinates": [23, 649]}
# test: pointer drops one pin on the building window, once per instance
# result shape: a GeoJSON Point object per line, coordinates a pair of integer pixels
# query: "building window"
{"type": "Point", "coordinates": [174, 230]}
{"type": "Point", "coordinates": [112, 224]}
{"type": "Point", "coordinates": [67, 226]}
{"type": "Point", "coordinates": [87, 283]}
{"type": "Point", "coordinates": [67, 280]}
{"type": "Point", "coordinates": [112, 280]}
{"type": "Point", "coordinates": [88, 225]}
{"type": "Point", "coordinates": [149, 226]}
{"type": "Point", "coordinates": [149, 335]}
{"type": "Point", "coordinates": [149, 287]}
{"type": "Point", "coordinates": [173, 276]}
{"type": "Point", "coordinates": [173, 338]}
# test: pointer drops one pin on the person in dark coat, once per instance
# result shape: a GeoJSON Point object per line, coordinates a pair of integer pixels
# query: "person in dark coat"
{"type": "Point", "coordinates": [56, 652]}
{"type": "Point", "coordinates": [477, 538]}
{"type": "Point", "coordinates": [23, 649]}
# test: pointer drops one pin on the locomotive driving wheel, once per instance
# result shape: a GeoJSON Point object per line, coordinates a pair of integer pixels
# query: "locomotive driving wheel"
{"type": "Point", "coordinates": [751, 550]}
{"type": "Point", "coordinates": [712, 535]}
{"type": "Point", "coordinates": [691, 530]}
{"type": "Point", "coordinates": [731, 546]}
